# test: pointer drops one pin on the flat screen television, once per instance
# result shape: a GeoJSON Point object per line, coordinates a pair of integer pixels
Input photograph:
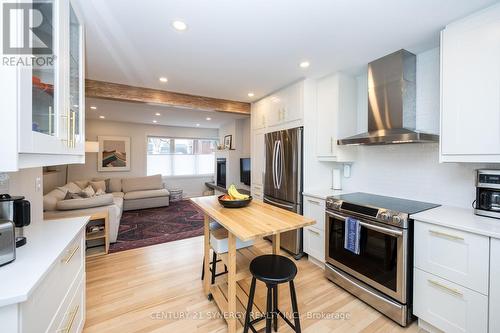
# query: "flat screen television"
{"type": "Point", "coordinates": [245, 171]}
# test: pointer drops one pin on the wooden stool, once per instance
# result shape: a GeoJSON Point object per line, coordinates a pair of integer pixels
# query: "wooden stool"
{"type": "Point", "coordinates": [272, 270]}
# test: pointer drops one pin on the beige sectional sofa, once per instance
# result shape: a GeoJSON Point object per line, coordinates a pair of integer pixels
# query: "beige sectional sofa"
{"type": "Point", "coordinates": [121, 194]}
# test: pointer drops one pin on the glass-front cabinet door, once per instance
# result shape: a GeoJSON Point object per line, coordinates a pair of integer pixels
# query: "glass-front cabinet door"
{"type": "Point", "coordinates": [51, 118]}
{"type": "Point", "coordinates": [76, 82]}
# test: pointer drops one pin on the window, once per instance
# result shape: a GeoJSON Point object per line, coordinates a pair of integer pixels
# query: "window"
{"type": "Point", "coordinates": [180, 157]}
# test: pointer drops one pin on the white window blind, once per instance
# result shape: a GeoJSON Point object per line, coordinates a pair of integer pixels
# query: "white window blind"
{"type": "Point", "coordinates": [180, 157]}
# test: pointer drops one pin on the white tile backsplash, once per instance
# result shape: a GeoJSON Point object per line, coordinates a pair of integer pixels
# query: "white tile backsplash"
{"type": "Point", "coordinates": [412, 171]}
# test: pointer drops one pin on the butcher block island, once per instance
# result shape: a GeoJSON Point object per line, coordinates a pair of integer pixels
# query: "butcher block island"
{"type": "Point", "coordinates": [253, 222]}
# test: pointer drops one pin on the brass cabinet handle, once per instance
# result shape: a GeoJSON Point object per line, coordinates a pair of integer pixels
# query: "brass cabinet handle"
{"type": "Point", "coordinates": [442, 286]}
{"type": "Point", "coordinates": [73, 129]}
{"type": "Point", "coordinates": [50, 120]}
{"type": "Point", "coordinates": [443, 234]}
{"type": "Point", "coordinates": [70, 256]}
{"type": "Point", "coordinates": [71, 320]}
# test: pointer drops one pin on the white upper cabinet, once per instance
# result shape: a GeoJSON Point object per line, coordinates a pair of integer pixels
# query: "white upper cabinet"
{"type": "Point", "coordinates": [336, 114]}
{"type": "Point", "coordinates": [470, 88]}
{"type": "Point", "coordinates": [282, 109]}
{"type": "Point", "coordinates": [49, 100]}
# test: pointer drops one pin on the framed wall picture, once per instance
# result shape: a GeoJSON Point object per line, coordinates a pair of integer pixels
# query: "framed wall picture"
{"type": "Point", "coordinates": [114, 153]}
{"type": "Point", "coordinates": [228, 142]}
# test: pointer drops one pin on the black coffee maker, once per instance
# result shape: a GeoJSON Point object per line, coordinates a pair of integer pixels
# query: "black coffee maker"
{"type": "Point", "coordinates": [17, 210]}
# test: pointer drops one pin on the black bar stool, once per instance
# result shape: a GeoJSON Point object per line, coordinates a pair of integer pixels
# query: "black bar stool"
{"type": "Point", "coordinates": [213, 267]}
{"type": "Point", "coordinates": [272, 270]}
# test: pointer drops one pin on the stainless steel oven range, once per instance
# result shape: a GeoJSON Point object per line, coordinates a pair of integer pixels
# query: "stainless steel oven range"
{"type": "Point", "coordinates": [381, 274]}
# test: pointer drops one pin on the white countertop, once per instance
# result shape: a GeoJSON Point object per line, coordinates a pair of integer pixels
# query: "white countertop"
{"type": "Point", "coordinates": [461, 219]}
{"type": "Point", "coordinates": [321, 193]}
{"type": "Point", "coordinates": [45, 242]}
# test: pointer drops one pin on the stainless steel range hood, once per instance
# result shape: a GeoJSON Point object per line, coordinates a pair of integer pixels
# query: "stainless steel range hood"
{"type": "Point", "coordinates": [391, 103]}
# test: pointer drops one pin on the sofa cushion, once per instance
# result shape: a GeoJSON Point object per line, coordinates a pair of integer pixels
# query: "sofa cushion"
{"type": "Point", "coordinates": [98, 185]}
{"type": "Point", "coordinates": [102, 200]}
{"type": "Point", "coordinates": [81, 183]}
{"type": "Point", "coordinates": [51, 199]}
{"type": "Point", "coordinates": [145, 194]}
{"type": "Point", "coordinates": [115, 185]}
{"type": "Point", "coordinates": [117, 194]}
{"type": "Point", "coordinates": [142, 183]}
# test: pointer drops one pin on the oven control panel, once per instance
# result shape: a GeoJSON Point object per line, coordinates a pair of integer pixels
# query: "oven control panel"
{"type": "Point", "coordinates": [379, 214]}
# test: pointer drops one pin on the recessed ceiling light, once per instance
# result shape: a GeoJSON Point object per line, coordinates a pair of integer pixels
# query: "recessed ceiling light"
{"type": "Point", "coordinates": [208, 118]}
{"type": "Point", "coordinates": [157, 114]}
{"type": "Point", "coordinates": [102, 117]}
{"type": "Point", "coordinates": [197, 125]}
{"type": "Point", "coordinates": [304, 64]}
{"type": "Point", "coordinates": [179, 25]}
{"type": "Point", "coordinates": [154, 121]}
{"type": "Point", "coordinates": [251, 94]}
{"type": "Point", "coordinates": [163, 79]}
{"type": "Point", "coordinates": [93, 107]}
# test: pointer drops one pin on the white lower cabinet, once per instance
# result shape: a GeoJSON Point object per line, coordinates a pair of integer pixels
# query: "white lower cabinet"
{"type": "Point", "coordinates": [451, 283]}
{"type": "Point", "coordinates": [314, 243]}
{"type": "Point", "coordinates": [495, 286]}
{"type": "Point", "coordinates": [58, 303]}
{"type": "Point", "coordinates": [449, 306]}
{"type": "Point", "coordinates": [314, 236]}
{"type": "Point", "coordinates": [454, 255]}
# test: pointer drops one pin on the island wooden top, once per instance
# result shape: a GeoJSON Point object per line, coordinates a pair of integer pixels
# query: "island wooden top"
{"type": "Point", "coordinates": [254, 221]}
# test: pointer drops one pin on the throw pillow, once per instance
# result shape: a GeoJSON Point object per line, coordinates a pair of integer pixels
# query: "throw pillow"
{"type": "Point", "coordinates": [98, 185]}
{"type": "Point", "coordinates": [106, 181]}
{"type": "Point", "coordinates": [81, 183]}
{"type": "Point", "coordinates": [71, 187]}
{"type": "Point", "coordinates": [88, 192]}
{"type": "Point", "coordinates": [100, 191]}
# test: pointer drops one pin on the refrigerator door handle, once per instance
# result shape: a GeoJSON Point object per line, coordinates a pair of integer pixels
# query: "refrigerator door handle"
{"type": "Point", "coordinates": [282, 161]}
{"type": "Point", "coordinates": [274, 164]}
{"type": "Point", "coordinates": [278, 164]}
{"type": "Point", "coordinates": [274, 203]}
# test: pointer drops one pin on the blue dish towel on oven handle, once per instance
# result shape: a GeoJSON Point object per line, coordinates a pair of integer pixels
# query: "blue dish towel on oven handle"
{"type": "Point", "coordinates": [352, 235]}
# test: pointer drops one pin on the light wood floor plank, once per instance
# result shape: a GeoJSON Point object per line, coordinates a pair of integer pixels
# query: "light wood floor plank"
{"type": "Point", "coordinates": [158, 289]}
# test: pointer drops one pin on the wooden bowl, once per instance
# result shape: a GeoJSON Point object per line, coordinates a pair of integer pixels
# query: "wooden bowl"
{"type": "Point", "coordinates": [234, 203]}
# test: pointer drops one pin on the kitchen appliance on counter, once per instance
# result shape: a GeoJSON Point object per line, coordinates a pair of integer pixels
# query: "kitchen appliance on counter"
{"type": "Point", "coordinates": [283, 180]}
{"type": "Point", "coordinates": [17, 210]}
{"type": "Point", "coordinates": [488, 193]}
{"type": "Point", "coordinates": [381, 274]}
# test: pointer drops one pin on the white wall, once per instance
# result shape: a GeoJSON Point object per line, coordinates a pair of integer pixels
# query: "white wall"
{"type": "Point", "coordinates": [24, 183]}
{"type": "Point", "coordinates": [138, 134]}
{"type": "Point", "coordinates": [410, 171]}
{"type": "Point", "coordinates": [240, 130]}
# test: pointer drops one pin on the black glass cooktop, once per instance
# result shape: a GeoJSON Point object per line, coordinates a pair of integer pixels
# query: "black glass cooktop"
{"type": "Point", "coordinates": [379, 201]}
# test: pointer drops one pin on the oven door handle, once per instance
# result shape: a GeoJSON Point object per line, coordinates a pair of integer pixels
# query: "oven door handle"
{"type": "Point", "coordinates": [373, 227]}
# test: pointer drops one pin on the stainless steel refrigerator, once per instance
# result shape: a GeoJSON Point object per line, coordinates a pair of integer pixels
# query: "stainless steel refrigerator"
{"type": "Point", "coordinates": [283, 180]}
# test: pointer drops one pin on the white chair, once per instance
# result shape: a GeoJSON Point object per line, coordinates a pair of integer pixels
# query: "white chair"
{"type": "Point", "coordinates": [219, 245]}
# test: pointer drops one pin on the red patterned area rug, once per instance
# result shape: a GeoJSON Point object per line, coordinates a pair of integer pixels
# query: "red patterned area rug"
{"type": "Point", "coordinates": [145, 227]}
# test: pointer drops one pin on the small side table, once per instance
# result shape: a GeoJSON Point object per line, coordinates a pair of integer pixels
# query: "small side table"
{"type": "Point", "coordinates": [175, 194]}
{"type": "Point", "coordinates": [97, 242]}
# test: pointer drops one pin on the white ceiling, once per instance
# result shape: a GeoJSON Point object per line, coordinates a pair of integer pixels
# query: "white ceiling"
{"type": "Point", "coordinates": [232, 47]}
{"type": "Point", "coordinates": [145, 114]}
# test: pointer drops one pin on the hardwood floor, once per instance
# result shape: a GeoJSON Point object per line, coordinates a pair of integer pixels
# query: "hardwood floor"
{"type": "Point", "coordinates": [158, 289]}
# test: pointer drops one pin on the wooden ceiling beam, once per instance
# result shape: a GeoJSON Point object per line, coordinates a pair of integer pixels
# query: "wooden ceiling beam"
{"type": "Point", "coordinates": [126, 93]}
